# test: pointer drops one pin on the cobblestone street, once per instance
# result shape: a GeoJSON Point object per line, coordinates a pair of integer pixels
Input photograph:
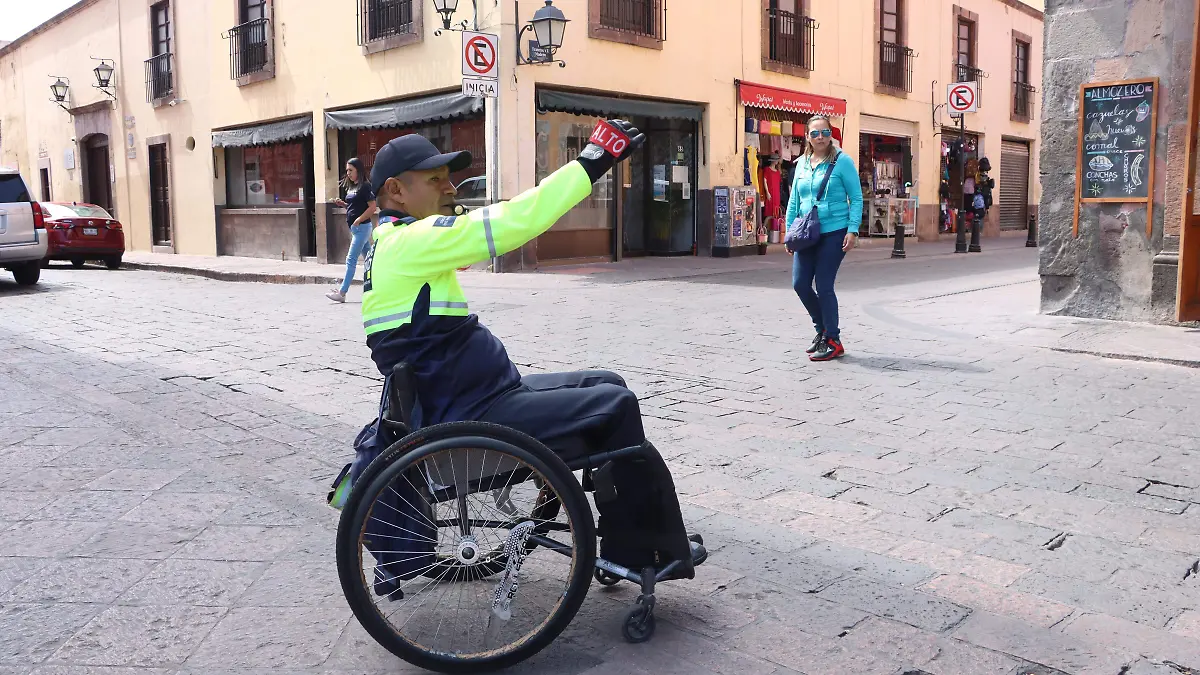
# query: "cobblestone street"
{"type": "Point", "coordinates": [975, 488]}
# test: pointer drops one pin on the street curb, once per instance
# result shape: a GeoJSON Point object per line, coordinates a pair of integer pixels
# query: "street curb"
{"type": "Point", "coordinates": [1185, 363]}
{"type": "Point", "coordinates": [219, 275]}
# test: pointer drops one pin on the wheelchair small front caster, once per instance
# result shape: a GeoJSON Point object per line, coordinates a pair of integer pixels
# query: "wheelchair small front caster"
{"type": "Point", "coordinates": [639, 624]}
{"type": "Point", "coordinates": [606, 578]}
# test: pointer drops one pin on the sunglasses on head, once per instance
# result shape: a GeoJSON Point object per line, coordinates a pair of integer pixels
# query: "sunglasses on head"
{"type": "Point", "coordinates": [820, 132]}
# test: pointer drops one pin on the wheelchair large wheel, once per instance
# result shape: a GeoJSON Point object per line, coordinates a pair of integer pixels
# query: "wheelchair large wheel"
{"type": "Point", "coordinates": [466, 548]}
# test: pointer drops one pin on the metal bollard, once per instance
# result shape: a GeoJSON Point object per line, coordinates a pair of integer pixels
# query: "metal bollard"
{"type": "Point", "coordinates": [1031, 242]}
{"type": "Point", "coordinates": [898, 248]}
{"type": "Point", "coordinates": [976, 226]}
{"type": "Point", "coordinates": [960, 233]}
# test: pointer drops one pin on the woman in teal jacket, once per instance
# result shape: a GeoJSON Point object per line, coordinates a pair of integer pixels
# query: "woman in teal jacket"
{"type": "Point", "coordinates": [840, 209]}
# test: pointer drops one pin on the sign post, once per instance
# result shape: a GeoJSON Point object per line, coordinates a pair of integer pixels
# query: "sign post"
{"type": "Point", "coordinates": [961, 98]}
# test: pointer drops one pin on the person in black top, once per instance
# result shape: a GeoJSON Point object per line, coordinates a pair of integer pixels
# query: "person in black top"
{"type": "Point", "coordinates": [360, 208]}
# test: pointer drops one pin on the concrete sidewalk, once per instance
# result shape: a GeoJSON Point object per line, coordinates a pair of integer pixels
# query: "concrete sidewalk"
{"type": "Point", "coordinates": [265, 270]}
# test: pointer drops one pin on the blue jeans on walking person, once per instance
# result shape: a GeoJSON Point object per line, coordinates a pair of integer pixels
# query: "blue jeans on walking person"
{"type": "Point", "coordinates": [820, 263]}
{"type": "Point", "coordinates": [359, 246]}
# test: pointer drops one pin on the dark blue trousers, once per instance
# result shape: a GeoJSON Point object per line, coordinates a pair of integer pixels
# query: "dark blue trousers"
{"type": "Point", "coordinates": [820, 263]}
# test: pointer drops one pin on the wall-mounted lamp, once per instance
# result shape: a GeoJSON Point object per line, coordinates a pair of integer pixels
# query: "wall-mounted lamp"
{"type": "Point", "coordinates": [60, 89]}
{"type": "Point", "coordinates": [549, 25]}
{"type": "Point", "coordinates": [446, 9]}
{"type": "Point", "coordinates": [104, 75]}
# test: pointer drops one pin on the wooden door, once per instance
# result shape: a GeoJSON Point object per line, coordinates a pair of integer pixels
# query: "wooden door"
{"type": "Point", "coordinates": [160, 196]}
{"type": "Point", "coordinates": [99, 179]}
{"type": "Point", "coordinates": [1187, 300]}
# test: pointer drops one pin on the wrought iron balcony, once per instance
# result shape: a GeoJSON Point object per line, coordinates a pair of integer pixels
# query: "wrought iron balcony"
{"type": "Point", "coordinates": [249, 47]}
{"type": "Point", "coordinates": [381, 19]}
{"type": "Point", "coordinates": [896, 66]}
{"type": "Point", "coordinates": [792, 38]}
{"type": "Point", "coordinates": [160, 77]}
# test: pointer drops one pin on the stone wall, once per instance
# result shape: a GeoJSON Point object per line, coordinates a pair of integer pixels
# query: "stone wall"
{"type": "Point", "coordinates": [1113, 270]}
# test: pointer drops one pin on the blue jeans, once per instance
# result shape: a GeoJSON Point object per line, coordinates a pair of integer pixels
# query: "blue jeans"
{"type": "Point", "coordinates": [359, 246]}
{"type": "Point", "coordinates": [820, 263]}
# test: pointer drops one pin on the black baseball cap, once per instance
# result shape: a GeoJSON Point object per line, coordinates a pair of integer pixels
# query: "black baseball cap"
{"type": "Point", "coordinates": [413, 152]}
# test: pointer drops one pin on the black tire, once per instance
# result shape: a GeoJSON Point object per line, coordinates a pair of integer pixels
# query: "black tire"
{"type": "Point", "coordinates": [77, 262]}
{"type": "Point", "coordinates": [399, 458]}
{"type": "Point", "coordinates": [638, 625]}
{"type": "Point", "coordinates": [113, 262]}
{"type": "Point", "coordinates": [28, 273]}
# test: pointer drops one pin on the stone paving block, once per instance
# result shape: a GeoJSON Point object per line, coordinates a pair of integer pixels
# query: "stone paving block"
{"type": "Point", "coordinates": [956, 657]}
{"type": "Point", "coordinates": [34, 631]}
{"type": "Point", "coordinates": [778, 643]}
{"type": "Point", "coordinates": [901, 483]}
{"type": "Point", "coordinates": [742, 532]}
{"type": "Point", "coordinates": [996, 600]}
{"type": "Point", "coordinates": [1003, 528]}
{"type": "Point", "coordinates": [803, 611]}
{"type": "Point", "coordinates": [999, 505]}
{"type": "Point", "coordinates": [295, 584]}
{"type": "Point", "coordinates": [916, 609]}
{"type": "Point", "coordinates": [1036, 480]}
{"type": "Point", "coordinates": [924, 530]}
{"type": "Point", "coordinates": [187, 509]}
{"type": "Point", "coordinates": [1148, 609]}
{"type": "Point", "coordinates": [14, 570]}
{"type": "Point", "coordinates": [16, 505]}
{"type": "Point", "coordinates": [1099, 525]}
{"type": "Point", "coordinates": [44, 538]}
{"type": "Point", "coordinates": [952, 478]}
{"type": "Point", "coordinates": [1135, 638]}
{"type": "Point", "coordinates": [18, 454]}
{"type": "Point", "coordinates": [881, 567]}
{"type": "Point", "coordinates": [50, 479]}
{"type": "Point", "coordinates": [205, 583]}
{"type": "Point", "coordinates": [136, 540]}
{"type": "Point", "coordinates": [790, 502]}
{"type": "Point", "coordinates": [140, 636]}
{"type": "Point", "coordinates": [1060, 651]}
{"type": "Point", "coordinates": [948, 559]}
{"type": "Point", "coordinates": [138, 480]}
{"type": "Point", "coordinates": [900, 504]}
{"type": "Point", "coordinates": [239, 542]}
{"type": "Point", "coordinates": [852, 534]}
{"type": "Point", "coordinates": [1127, 555]}
{"type": "Point", "coordinates": [783, 569]}
{"type": "Point", "coordinates": [249, 638]}
{"type": "Point", "coordinates": [1187, 625]}
{"type": "Point", "coordinates": [1134, 499]}
{"type": "Point", "coordinates": [78, 580]}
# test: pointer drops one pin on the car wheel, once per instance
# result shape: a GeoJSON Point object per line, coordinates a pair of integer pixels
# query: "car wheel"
{"type": "Point", "coordinates": [28, 274]}
{"type": "Point", "coordinates": [113, 262]}
{"type": "Point", "coordinates": [77, 262]}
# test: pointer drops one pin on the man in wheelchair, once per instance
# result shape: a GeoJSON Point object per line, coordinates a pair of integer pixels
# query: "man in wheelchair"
{"type": "Point", "coordinates": [415, 312]}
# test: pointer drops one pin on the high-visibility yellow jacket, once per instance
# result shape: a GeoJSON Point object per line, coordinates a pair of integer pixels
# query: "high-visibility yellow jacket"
{"type": "Point", "coordinates": [414, 309]}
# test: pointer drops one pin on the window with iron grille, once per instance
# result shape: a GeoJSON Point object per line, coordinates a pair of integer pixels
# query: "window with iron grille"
{"type": "Point", "coordinates": [249, 41]}
{"type": "Point", "coordinates": [790, 34]}
{"type": "Point", "coordinates": [382, 19]}
{"type": "Point", "coordinates": [895, 59]}
{"type": "Point", "coordinates": [639, 17]}
{"type": "Point", "coordinates": [1022, 90]}
{"type": "Point", "coordinates": [159, 75]}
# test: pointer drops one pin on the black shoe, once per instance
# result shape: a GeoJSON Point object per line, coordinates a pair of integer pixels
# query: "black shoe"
{"type": "Point", "coordinates": [830, 350]}
{"type": "Point", "coordinates": [817, 342]}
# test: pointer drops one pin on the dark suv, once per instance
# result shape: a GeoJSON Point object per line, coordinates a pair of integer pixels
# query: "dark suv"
{"type": "Point", "coordinates": [22, 229]}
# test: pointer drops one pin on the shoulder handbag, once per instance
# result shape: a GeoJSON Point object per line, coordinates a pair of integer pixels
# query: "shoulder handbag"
{"type": "Point", "coordinates": [805, 231]}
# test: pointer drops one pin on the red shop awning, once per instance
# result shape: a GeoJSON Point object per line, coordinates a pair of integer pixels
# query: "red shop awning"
{"type": "Point", "coordinates": [774, 98]}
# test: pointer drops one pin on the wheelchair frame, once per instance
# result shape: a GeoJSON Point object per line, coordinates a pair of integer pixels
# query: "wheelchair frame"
{"type": "Point", "coordinates": [639, 623]}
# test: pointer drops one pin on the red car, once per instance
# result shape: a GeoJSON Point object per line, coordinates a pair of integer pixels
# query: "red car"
{"type": "Point", "coordinates": [80, 232]}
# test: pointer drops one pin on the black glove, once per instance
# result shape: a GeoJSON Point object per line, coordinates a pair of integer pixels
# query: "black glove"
{"type": "Point", "coordinates": [596, 159]}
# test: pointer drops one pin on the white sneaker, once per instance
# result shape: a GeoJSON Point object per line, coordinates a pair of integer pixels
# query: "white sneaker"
{"type": "Point", "coordinates": [336, 296]}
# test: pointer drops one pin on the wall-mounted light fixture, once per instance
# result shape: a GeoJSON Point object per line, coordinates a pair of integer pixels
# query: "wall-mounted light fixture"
{"type": "Point", "coordinates": [549, 25]}
{"type": "Point", "coordinates": [59, 90]}
{"type": "Point", "coordinates": [104, 75]}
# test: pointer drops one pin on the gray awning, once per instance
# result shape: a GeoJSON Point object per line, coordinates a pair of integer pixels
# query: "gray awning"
{"type": "Point", "coordinates": [262, 134]}
{"type": "Point", "coordinates": [405, 113]}
{"type": "Point", "coordinates": [603, 106]}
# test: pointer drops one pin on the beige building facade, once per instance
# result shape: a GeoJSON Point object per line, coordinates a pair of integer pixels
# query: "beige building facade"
{"type": "Point", "coordinates": [227, 122]}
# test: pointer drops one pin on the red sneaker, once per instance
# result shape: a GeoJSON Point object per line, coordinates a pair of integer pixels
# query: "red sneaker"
{"type": "Point", "coordinates": [830, 350]}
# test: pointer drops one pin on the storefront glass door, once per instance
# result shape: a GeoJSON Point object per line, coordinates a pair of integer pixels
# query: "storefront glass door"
{"type": "Point", "coordinates": [659, 193]}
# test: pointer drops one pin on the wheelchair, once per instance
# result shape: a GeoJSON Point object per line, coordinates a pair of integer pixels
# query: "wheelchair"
{"type": "Point", "coordinates": [468, 547]}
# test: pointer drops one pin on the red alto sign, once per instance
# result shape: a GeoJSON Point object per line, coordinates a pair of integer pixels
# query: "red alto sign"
{"type": "Point", "coordinates": [610, 138]}
{"type": "Point", "coordinates": [763, 96]}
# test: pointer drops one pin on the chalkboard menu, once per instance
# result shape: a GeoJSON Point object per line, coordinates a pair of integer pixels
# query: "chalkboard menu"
{"type": "Point", "coordinates": [1116, 141]}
